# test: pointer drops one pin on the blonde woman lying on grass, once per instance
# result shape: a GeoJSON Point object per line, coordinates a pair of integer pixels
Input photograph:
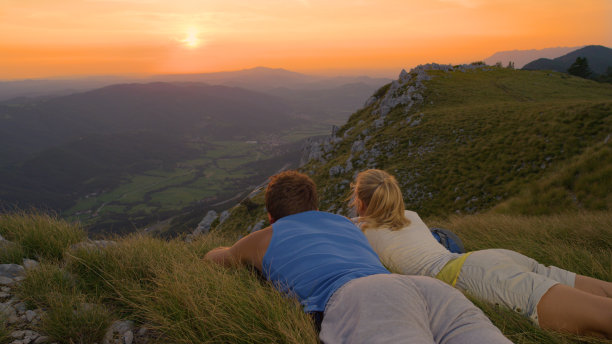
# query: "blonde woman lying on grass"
{"type": "Point", "coordinates": [553, 298]}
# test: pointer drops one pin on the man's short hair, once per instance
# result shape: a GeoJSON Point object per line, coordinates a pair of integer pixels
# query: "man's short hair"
{"type": "Point", "coordinates": [290, 192]}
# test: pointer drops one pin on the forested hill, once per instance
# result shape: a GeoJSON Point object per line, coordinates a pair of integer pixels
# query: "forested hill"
{"type": "Point", "coordinates": [472, 138]}
{"type": "Point", "coordinates": [599, 60]}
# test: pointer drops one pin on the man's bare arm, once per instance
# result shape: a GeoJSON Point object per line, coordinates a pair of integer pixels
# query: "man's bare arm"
{"type": "Point", "coordinates": [222, 256]}
{"type": "Point", "coordinates": [249, 250]}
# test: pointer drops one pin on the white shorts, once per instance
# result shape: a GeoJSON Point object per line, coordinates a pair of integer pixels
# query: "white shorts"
{"type": "Point", "coordinates": [390, 308]}
{"type": "Point", "coordinates": [510, 279]}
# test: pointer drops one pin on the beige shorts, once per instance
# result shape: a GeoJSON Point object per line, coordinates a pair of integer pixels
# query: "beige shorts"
{"type": "Point", "coordinates": [391, 308]}
{"type": "Point", "coordinates": [510, 279]}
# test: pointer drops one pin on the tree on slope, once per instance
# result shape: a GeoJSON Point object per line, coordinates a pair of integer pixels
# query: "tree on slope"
{"type": "Point", "coordinates": [580, 68]}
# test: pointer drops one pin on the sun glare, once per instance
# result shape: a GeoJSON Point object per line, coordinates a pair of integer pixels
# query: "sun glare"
{"type": "Point", "coordinates": [191, 39]}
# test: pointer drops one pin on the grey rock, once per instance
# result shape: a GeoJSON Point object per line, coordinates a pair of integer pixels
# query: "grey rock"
{"type": "Point", "coordinates": [347, 132]}
{"type": "Point", "coordinates": [20, 307]}
{"type": "Point", "coordinates": [128, 337]}
{"type": "Point", "coordinates": [117, 330]}
{"type": "Point", "coordinates": [357, 146]}
{"type": "Point", "coordinates": [224, 215]}
{"type": "Point", "coordinates": [370, 101]}
{"type": "Point", "coordinates": [335, 170]}
{"type": "Point", "coordinates": [404, 76]}
{"type": "Point", "coordinates": [30, 264]}
{"type": "Point", "coordinates": [204, 225]}
{"type": "Point", "coordinates": [349, 165]}
{"type": "Point", "coordinates": [257, 226]}
{"type": "Point", "coordinates": [30, 315]}
{"type": "Point", "coordinates": [41, 340]}
{"type": "Point", "coordinates": [18, 334]}
{"type": "Point", "coordinates": [11, 270]}
{"type": "Point", "coordinates": [6, 280]}
{"type": "Point", "coordinates": [334, 131]}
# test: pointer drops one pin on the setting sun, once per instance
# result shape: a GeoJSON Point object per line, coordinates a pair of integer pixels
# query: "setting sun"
{"type": "Point", "coordinates": [191, 39]}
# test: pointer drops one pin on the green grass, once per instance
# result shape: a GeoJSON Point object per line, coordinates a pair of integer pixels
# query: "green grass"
{"type": "Point", "coordinates": [40, 236]}
{"type": "Point", "coordinates": [168, 286]}
{"type": "Point", "coordinates": [584, 183]}
{"type": "Point", "coordinates": [74, 320]}
{"type": "Point", "coordinates": [11, 253]}
{"type": "Point", "coordinates": [41, 285]}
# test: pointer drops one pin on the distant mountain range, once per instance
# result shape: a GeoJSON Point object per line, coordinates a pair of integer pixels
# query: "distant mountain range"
{"type": "Point", "coordinates": [599, 59]}
{"type": "Point", "coordinates": [522, 57]}
{"type": "Point", "coordinates": [260, 79]}
{"type": "Point", "coordinates": [185, 109]}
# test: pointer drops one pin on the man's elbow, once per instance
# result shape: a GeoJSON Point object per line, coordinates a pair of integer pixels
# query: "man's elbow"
{"type": "Point", "coordinates": [221, 256]}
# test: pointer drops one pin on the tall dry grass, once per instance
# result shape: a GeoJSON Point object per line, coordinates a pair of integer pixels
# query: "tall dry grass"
{"type": "Point", "coordinates": [167, 286]}
{"type": "Point", "coordinates": [579, 241]}
{"type": "Point", "coordinates": [38, 235]}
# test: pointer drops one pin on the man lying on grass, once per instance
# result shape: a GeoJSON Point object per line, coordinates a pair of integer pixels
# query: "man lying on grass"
{"type": "Point", "coordinates": [327, 262]}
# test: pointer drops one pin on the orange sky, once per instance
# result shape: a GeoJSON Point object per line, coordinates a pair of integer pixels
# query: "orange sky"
{"type": "Point", "coordinates": [43, 38]}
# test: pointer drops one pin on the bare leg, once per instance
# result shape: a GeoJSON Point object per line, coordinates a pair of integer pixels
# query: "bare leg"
{"type": "Point", "coordinates": [593, 286]}
{"type": "Point", "coordinates": [567, 309]}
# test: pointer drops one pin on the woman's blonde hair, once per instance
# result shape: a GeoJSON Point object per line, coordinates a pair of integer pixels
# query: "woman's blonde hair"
{"type": "Point", "coordinates": [381, 194]}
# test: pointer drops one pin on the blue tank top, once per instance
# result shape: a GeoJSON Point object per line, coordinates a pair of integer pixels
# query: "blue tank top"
{"type": "Point", "coordinates": [312, 254]}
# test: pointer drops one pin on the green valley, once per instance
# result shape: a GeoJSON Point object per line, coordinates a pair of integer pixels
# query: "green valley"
{"type": "Point", "coordinates": [218, 178]}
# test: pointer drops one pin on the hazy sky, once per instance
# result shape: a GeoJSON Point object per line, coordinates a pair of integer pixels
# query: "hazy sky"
{"type": "Point", "coordinates": [41, 38]}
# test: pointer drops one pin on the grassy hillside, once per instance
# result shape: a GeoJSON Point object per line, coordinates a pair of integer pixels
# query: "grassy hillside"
{"type": "Point", "coordinates": [477, 138]}
{"type": "Point", "coordinates": [166, 287]}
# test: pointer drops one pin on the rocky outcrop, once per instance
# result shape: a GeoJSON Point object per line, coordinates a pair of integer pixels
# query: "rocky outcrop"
{"type": "Point", "coordinates": [204, 225]}
{"type": "Point", "coordinates": [315, 148]}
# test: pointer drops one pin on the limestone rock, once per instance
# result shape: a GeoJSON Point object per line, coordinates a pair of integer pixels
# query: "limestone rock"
{"type": "Point", "coordinates": [224, 215]}
{"type": "Point", "coordinates": [30, 264]}
{"type": "Point", "coordinates": [204, 225]}
{"type": "Point", "coordinates": [117, 331]}
{"type": "Point", "coordinates": [257, 226]}
{"type": "Point", "coordinates": [11, 270]}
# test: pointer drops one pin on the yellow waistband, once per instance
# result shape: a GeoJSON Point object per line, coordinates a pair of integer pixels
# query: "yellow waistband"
{"type": "Point", "coordinates": [450, 271]}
